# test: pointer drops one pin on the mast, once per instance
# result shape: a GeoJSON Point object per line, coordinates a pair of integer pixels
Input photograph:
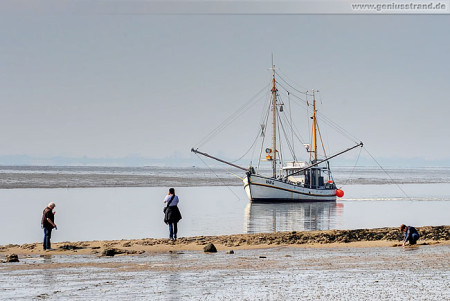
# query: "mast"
{"type": "Point", "coordinates": [314, 126]}
{"type": "Point", "coordinates": [274, 132]}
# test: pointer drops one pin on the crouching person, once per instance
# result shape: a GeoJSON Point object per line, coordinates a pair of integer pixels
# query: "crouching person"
{"type": "Point", "coordinates": [411, 234]}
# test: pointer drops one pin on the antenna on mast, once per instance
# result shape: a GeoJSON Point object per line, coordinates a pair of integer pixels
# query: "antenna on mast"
{"type": "Point", "coordinates": [273, 67]}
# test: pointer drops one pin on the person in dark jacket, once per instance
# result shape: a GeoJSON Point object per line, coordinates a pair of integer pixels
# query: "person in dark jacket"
{"type": "Point", "coordinates": [411, 234]}
{"type": "Point", "coordinates": [172, 214]}
{"type": "Point", "coordinates": [48, 224]}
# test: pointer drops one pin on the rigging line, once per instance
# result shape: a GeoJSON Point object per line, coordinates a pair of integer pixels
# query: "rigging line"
{"type": "Point", "coordinates": [338, 127]}
{"type": "Point", "coordinates": [334, 125]}
{"type": "Point", "coordinates": [321, 141]}
{"type": "Point", "coordinates": [356, 163]}
{"type": "Point", "coordinates": [303, 102]}
{"type": "Point", "coordinates": [288, 142]}
{"type": "Point", "coordinates": [331, 123]}
{"type": "Point", "coordinates": [280, 129]}
{"type": "Point", "coordinates": [294, 133]}
{"type": "Point", "coordinates": [323, 145]}
{"type": "Point", "coordinates": [280, 153]}
{"type": "Point", "coordinates": [252, 155]}
{"type": "Point", "coordinates": [231, 118]}
{"type": "Point", "coordinates": [299, 137]}
{"type": "Point", "coordinates": [393, 181]}
{"type": "Point", "coordinates": [263, 129]}
{"type": "Point", "coordinates": [288, 90]}
{"type": "Point", "coordinates": [224, 124]}
{"type": "Point", "coordinates": [326, 119]}
{"type": "Point", "coordinates": [291, 123]}
{"type": "Point", "coordinates": [281, 77]}
{"type": "Point", "coordinates": [308, 118]}
{"type": "Point", "coordinates": [320, 98]}
{"type": "Point", "coordinates": [253, 144]}
{"type": "Point", "coordinates": [217, 176]}
{"type": "Point", "coordinates": [311, 145]}
{"type": "Point", "coordinates": [264, 137]}
{"type": "Point", "coordinates": [291, 147]}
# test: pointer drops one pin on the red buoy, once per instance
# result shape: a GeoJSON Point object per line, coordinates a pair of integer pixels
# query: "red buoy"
{"type": "Point", "coordinates": [339, 193]}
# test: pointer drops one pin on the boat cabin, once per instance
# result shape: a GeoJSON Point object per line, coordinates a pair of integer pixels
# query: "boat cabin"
{"type": "Point", "coordinates": [311, 177]}
{"type": "Point", "coordinates": [291, 168]}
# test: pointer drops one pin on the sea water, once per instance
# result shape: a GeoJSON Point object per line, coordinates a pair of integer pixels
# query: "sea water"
{"type": "Point", "coordinates": [267, 274]}
{"type": "Point", "coordinates": [419, 197]}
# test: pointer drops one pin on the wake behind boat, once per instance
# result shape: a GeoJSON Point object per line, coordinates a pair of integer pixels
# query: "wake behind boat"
{"type": "Point", "coordinates": [301, 181]}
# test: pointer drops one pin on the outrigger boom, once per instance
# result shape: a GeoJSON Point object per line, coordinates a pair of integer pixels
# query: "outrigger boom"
{"type": "Point", "coordinates": [217, 159]}
{"type": "Point", "coordinates": [327, 159]}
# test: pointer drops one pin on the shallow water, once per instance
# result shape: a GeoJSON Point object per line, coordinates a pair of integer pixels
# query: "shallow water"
{"type": "Point", "coordinates": [122, 213]}
{"type": "Point", "coordinates": [420, 273]}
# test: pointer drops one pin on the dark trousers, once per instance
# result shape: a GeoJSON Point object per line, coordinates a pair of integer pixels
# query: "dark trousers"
{"type": "Point", "coordinates": [173, 230]}
{"type": "Point", "coordinates": [413, 238]}
{"type": "Point", "coordinates": [47, 236]}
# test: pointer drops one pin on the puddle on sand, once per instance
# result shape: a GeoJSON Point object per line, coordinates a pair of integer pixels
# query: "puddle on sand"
{"type": "Point", "coordinates": [270, 274]}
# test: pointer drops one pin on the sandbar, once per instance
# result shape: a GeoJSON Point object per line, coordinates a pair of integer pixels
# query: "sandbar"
{"type": "Point", "coordinates": [377, 237]}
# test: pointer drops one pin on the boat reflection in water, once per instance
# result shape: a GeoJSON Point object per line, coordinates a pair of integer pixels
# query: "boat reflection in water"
{"type": "Point", "coordinates": [273, 217]}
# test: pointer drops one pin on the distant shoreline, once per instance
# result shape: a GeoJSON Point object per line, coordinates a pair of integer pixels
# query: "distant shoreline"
{"type": "Point", "coordinates": [50, 180]}
{"type": "Point", "coordinates": [378, 237]}
{"type": "Point", "coordinates": [11, 180]}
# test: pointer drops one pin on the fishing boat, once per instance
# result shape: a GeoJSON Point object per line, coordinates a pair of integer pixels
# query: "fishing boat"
{"type": "Point", "coordinates": [299, 181]}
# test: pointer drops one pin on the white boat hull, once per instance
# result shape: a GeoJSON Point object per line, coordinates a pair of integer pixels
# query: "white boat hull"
{"type": "Point", "coordinates": [265, 189]}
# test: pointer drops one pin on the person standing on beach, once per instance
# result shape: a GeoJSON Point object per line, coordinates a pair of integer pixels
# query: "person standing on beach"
{"type": "Point", "coordinates": [172, 214]}
{"type": "Point", "coordinates": [48, 224]}
{"type": "Point", "coordinates": [411, 234]}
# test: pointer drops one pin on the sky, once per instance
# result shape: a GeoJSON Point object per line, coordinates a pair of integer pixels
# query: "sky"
{"type": "Point", "coordinates": [96, 84]}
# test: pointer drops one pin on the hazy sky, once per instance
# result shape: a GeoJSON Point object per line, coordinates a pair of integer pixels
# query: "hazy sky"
{"type": "Point", "coordinates": [113, 85]}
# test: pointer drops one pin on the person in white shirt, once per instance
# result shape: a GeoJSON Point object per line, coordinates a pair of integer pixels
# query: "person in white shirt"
{"type": "Point", "coordinates": [172, 214]}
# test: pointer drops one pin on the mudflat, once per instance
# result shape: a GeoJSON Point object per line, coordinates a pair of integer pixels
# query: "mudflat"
{"type": "Point", "coordinates": [364, 264]}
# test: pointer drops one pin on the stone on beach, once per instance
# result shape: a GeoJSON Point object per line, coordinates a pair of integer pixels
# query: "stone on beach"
{"type": "Point", "coordinates": [12, 258]}
{"type": "Point", "coordinates": [110, 252]}
{"type": "Point", "coordinates": [210, 248]}
{"type": "Point", "coordinates": [70, 247]}
{"type": "Point", "coordinates": [114, 251]}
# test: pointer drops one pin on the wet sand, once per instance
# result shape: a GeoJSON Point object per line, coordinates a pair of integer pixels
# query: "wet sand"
{"type": "Point", "coordinates": [57, 180]}
{"type": "Point", "coordinates": [379, 237]}
{"type": "Point", "coordinates": [68, 177]}
{"type": "Point", "coordinates": [276, 273]}
{"type": "Point", "coordinates": [365, 264]}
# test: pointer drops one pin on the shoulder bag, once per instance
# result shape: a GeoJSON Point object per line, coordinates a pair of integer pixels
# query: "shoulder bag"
{"type": "Point", "coordinates": [168, 204]}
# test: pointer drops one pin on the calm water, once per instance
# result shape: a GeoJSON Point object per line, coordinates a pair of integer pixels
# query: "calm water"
{"type": "Point", "coordinates": [289, 274]}
{"type": "Point", "coordinates": [123, 213]}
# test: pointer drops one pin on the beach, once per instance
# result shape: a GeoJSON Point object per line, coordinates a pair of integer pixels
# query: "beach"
{"type": "Point", "coordinates": [310, 265]}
